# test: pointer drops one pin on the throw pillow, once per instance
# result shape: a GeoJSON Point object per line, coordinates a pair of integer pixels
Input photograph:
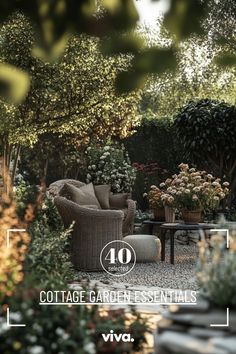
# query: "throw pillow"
{"type": "Point", "coordinates": [56, 186]}
{"type": "Point", "coordinates": [118, 201]}
{"type": "Point", "coordinates": [82, 196]}
{"type": "Point", "coordinates": [102, 193]}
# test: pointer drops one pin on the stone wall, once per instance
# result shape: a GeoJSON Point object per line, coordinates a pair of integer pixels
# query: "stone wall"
{"type": "Point", "coordinates": [188, 330]}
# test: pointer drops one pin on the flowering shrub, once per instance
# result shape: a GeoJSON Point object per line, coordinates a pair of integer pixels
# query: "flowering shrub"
{"type": "Point", "coordinates": [49, 250]}
{"type": "Point", "coordinates": [64, 329]}
{"type": "Point", "coordinates": [110, 165]}
{"type": "Point", "coordinates": [155, 197]}
{"type": "Point", "coordinates": [146, 176]}
{"type": "Point", "coordinates": [217, 270]}
{"type": "Point", "coordinates": [12, 257]}
{"type": "Point", "coordinates": [193, 190]}
{"type": "Point", "coordinates": [158, 199]}
{"type": "Point", "coordinates": [148, 169]}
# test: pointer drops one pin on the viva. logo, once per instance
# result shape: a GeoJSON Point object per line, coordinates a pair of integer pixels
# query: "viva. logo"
{"type": "Point", "coordinates": [122, 337]}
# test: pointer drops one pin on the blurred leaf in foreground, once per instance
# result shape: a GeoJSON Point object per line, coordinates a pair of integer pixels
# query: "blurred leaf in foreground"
{"type": "Point", "coordinates": [14, 83]}
{"type": "Point", "coordinates": [153, 60]}
{"type": "Point", "coordinates": [226, 60]}
{"type": "Point", "coordinates": [184, 17]}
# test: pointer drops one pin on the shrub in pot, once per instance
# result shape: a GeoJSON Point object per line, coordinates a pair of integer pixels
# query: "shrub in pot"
{"type": "Point", "coordinates": [156, 203]}
{"type": "Point", "coordinates": [194, 192]}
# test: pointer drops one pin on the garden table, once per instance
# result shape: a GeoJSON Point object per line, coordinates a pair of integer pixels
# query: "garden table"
{"type": "Point", "coordinates": [173, 227]}
{"type": "Point", "coordinates": [151, 223]}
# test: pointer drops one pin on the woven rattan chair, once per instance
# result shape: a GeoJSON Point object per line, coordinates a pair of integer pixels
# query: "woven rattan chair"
{"type": "Point", "coordinates": [128, 223]}
{"type": "Point", "coordinates": [92, 230]}
{"type": "Point", "coordinates": [128, 208]}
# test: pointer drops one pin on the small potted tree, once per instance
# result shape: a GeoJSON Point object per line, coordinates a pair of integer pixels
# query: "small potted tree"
{"type": "Point", "coordinates": [156, 203]}
{"type": "Point", "coordinates": [195, 192]}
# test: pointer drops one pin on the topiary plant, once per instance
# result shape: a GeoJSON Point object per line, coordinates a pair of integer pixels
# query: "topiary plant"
{"type": "Point", "coordinates": [207, 131]}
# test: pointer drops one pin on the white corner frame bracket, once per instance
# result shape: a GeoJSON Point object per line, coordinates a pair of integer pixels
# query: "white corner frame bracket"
{"type": "Point", "coordinates": [10, 324]}
{"type": "Point", "coordinates": [8, 234]}
{"type": "Point", "coordinates": [224, 324]}
{"type": "Point", "coordinates": [226, 231]}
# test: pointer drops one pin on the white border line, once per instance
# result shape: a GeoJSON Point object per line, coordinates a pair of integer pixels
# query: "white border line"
{"type": "Point", "coordinates": [8, 246]}
{"type": "Point", "coordinates": [8, 234]}
{"type": "Point", "coordinates": [223, 325]}
{"type": "Point", "coordinates": [13, 325]}
{"type": "Point", "coordinates": [117, 303]}
{"type": "Point", "coordinates": [227, 246]}
{"type": "Point", "coordinates": [222, 230]}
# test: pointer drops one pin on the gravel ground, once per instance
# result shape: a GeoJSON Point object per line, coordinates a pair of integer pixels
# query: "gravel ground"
{"type": "Point", "coordinates": [181, 275]}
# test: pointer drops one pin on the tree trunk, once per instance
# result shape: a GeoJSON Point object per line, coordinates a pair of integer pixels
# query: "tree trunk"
{"type": "Point", "coordinates": [45, 171]}
{"type": "Point", "coordinates": [6, 162]}
{"type": "Point", "coordinates": [16, 159]}
{"type": "Point", "coordinates": [7, 175]}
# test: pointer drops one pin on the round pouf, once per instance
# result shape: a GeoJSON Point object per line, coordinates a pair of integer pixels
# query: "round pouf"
{"type": "Point", "coordinates": [146, 247]}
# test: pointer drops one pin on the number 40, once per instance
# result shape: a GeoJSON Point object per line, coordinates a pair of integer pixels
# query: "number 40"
{"type": "Point", "coordinates": [123, 256]}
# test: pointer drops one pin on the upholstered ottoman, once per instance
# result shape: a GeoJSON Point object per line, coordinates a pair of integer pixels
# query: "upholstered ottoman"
{"type": "Point", "coordinates": [147, 247]}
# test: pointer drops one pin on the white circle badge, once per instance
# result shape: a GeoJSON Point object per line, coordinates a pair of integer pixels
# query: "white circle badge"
{"type": "Point", "coordinates": [117, 258]}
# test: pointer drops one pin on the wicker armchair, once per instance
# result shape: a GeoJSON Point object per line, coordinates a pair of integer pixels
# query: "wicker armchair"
{"type": "Point", "coordinates": [128, 208]}
{"type": "Point", "coordinates": [93, 229]}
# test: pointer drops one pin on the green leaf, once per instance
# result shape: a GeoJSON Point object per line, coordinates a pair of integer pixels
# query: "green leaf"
{"type": "Point", "coordinates": [14, 83]}
{"type": "Point", "coordinates": [130, 43]}
{"type": "Point", "coordinates": [226, 60]}
{"type": "Point", "coordinates": [129, 81]}
{"type": "Point", "coordinates": [111, 5]}
{"type": "Point", "coordinates": [155, 60]}
{"type": "Point", "coordinates": [52, 23]}
{"type": "Point", "coordinates": [184, 17]}
{"type": "Point", "coordinates": [123, 13]}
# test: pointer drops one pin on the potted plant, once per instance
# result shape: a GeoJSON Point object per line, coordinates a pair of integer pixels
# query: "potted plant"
{"type": "Point", "coordinates": [156, 203]}
{"type": "Point", "coordinates": [195, 192]}
{"type": "Point", "coordinates": [169, 205]}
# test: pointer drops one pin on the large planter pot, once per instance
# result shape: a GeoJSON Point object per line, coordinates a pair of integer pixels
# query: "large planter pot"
{"type": "Point", "coordinates": [169, 214]}
{"type": "Point", "coordinates": [159, 214]}
{"type": "Point", "coordinates": [191, 216]}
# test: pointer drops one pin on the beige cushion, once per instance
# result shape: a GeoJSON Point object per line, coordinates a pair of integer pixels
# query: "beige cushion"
{"type": "Point", "coordinates": [147, 247]}
{"type": "Point", "coordinates": [102, 193]}
{"type": "Point", "coordinates": [82, 196]}
{"type": "Point", "coordinates": [118, 201]}
{"type": "Point", "coordinates": [55, 187]}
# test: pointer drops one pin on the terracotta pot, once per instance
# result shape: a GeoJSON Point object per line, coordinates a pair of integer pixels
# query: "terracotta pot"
{"type": "Point", "coordinates": [191, 216]}
{"type": "Point", "coordinates": [159, 214]}
{"type": "Point", "coordinates": [169, 214]}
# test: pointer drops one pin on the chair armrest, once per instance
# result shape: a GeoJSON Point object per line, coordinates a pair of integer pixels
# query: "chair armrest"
{"type": "Point", "coordinates": [71, 211]}
{"type": "Point", "coordinates": [131, 204]}
{"type": "Point", "coordinates": [128, 224]}
{"type": "Point", "coordinates": [99, 213]}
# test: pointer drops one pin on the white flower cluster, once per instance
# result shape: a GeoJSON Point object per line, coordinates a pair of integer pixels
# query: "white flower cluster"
{"type": "Point", "coordinates": [109, 165]}
{"type": "Point", "coordinates": [193, 189]}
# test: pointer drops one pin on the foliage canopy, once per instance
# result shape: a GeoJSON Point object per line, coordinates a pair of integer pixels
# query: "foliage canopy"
{"type": "Point", "coordinates": [207, 130]}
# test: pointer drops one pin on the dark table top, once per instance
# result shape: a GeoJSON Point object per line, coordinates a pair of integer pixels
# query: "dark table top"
{"type": "Point", "coordinates": [183, 226]}
{"type": "Point", "coordinates": [153, 222]}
